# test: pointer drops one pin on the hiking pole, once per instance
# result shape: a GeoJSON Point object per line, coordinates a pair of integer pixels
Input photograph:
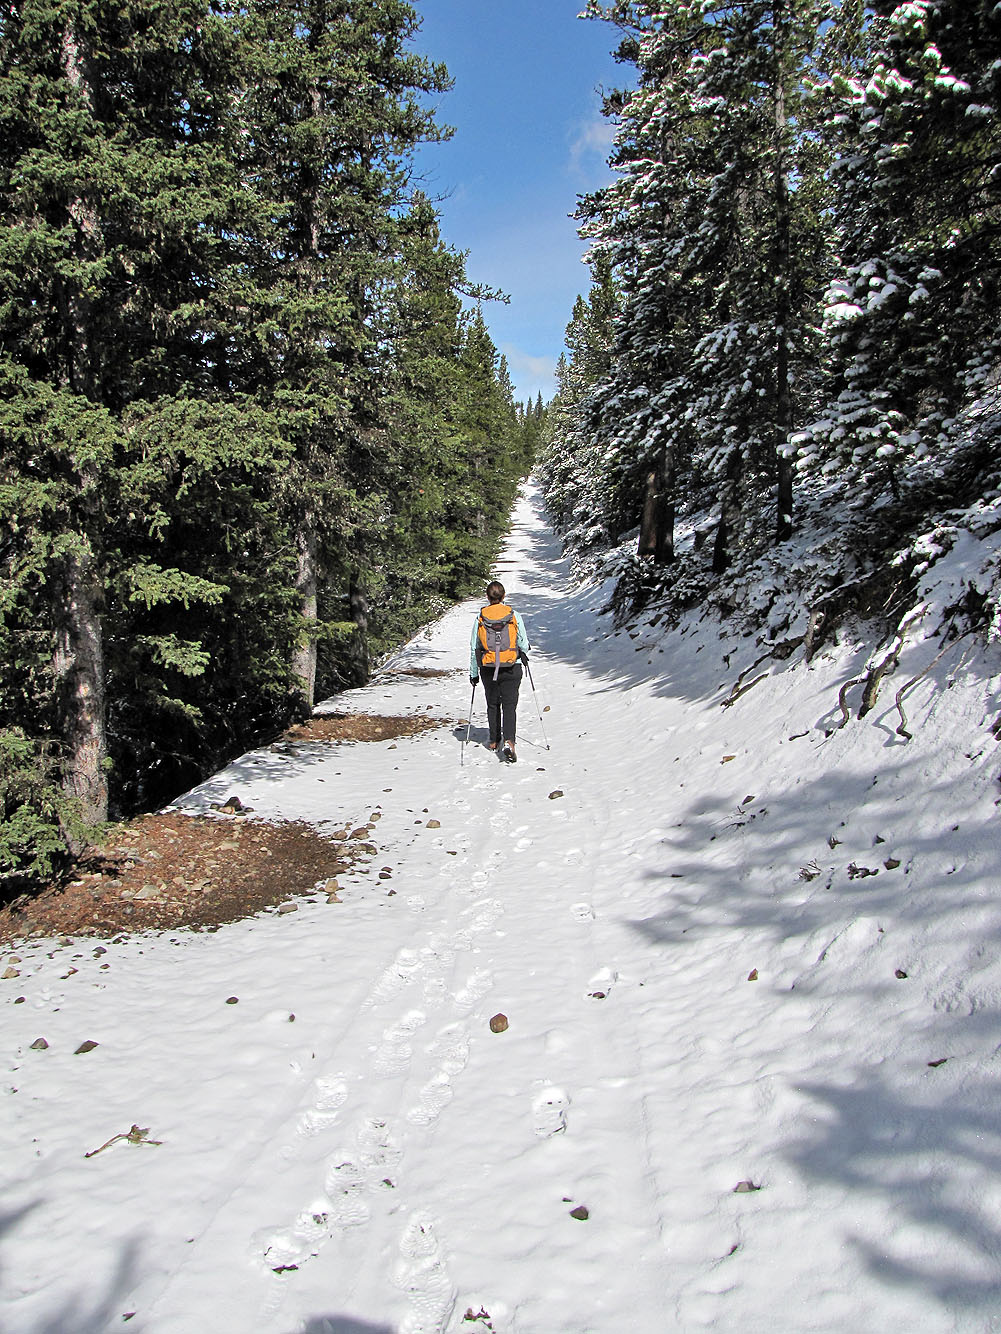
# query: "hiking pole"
{"type": "Point", "coordinates": [536, 698]}
{"type": "Point", "coordinates": [469, 724]}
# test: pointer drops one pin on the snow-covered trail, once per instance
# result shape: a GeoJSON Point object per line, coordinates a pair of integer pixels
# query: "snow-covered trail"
{"type": "Point", "coordinates": [701, 989]}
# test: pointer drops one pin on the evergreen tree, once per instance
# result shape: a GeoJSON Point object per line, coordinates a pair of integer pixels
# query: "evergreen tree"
{"type": "Point", "coordinates": [912, 316]}
{"type": "Point", "coordinates": [116, 183]}
{"type": "Point", "coordinates": [701, 231]}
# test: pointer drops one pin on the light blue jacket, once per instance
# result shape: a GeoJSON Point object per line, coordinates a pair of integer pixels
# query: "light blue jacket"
{"type": "Point", "coordinates": [521, 644]}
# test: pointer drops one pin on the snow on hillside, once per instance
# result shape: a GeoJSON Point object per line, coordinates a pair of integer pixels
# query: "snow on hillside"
{"type": "Point", "coordinates": [749, 964]}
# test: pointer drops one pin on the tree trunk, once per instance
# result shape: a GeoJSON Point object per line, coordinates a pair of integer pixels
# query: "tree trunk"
{"type": "Point", "coordinates": [729, 512]}
{"type": "Point", "coordinates": [78, 667]}
{"type": "Point", "coordinates": [78, 650]}
{"type": "Point", "coordinates": [358, 611]}
{"type": "Point", "coordinates": [783, 388]}
{"type": "Point", "coordinates": [304, 660]}
{"type": "Point", "coordinates": [657, 523]}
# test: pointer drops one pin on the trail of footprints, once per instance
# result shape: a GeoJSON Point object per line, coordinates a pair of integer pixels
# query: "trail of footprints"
{"type": "Point", "coordinates": [363, 1163]}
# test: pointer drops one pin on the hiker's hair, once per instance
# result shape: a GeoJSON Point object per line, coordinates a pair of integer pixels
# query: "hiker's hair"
{"type": "Point", "coordinates": [495, 591]}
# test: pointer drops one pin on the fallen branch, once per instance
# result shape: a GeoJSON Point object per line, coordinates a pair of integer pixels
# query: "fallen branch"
{"type": "Point", "coordinates": [902, 729]}
{"type": "Point", "coordinates": [134, 1136]}
{"type": "Point", "coordinates": [845, 715]}
{"type": "Point", "coordinates": [739, 690]}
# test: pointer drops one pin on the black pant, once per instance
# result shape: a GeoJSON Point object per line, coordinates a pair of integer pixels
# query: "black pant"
{"type": "Point", "coordinates": [502, 700]}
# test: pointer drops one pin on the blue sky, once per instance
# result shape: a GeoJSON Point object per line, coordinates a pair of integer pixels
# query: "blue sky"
{"type": "Point", "coordinates": [529, 138]}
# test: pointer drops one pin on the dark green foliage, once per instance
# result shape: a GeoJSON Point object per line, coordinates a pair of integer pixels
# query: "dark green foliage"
{"type": "Point", "coordinates": [803, 238]}
{"type": "Point", "coordinates": [244, 420]}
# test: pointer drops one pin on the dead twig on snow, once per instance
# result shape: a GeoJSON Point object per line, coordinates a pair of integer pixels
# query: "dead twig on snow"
{"type": "Point", "coordinates": [134, 1136]}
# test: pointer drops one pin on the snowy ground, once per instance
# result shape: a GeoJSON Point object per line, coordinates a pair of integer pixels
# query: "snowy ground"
{"type": "Point", "coordinates": [703, 988]}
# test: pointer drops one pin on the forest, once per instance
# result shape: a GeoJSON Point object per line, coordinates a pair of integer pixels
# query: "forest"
{"type": "Point", "coordinates": [780, 397]}
{"type": "Point", "coordinates": [254, 430]}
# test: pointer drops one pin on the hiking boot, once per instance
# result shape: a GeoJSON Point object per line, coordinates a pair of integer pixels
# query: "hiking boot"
{"type": "Point", "coordinates": [509, 754]}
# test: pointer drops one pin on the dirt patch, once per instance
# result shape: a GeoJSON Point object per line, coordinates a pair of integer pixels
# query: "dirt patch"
{"type": "Point", "coordinates": [166, 871]}
{"type": "Point", "coordinates": [362, 727]}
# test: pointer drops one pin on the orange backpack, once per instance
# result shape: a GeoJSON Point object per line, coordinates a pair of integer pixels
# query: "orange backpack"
{"type": "Point", "coordinates": [498, 637]}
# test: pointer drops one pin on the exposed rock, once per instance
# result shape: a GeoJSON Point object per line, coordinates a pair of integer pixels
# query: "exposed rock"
{"type": "Point", "coordinates": [555, 794]}
{"type": "Point", "coordinates": [232, 1000]}
{"type": "Point", "coordinates": [498, 1024]}
{"type": "Point", "coordinates": [752, 976]}
{"type": "Point", "coordinates": [9, 973]}
{"type": "Point", "coordinates": [39, 1044]}
{"type": "Point", "coordinates": [288, 907]}
{"type": "Point", "coordinates": [433, 824]}
{"type": "Point", "coordinates": [582, 1213]}
{"type": "Point", "coordinates": [745, 1188]}
{"type": "Point", "coordinates": [85, 1047]}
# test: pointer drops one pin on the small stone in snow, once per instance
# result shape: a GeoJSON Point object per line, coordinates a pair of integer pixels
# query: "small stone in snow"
{"type": "Point", "coordinates": [433, 824]}
{"type": "Point", "coordinates": [498, 1024]}
{"type": "Point", "coordinates": [752, 976]}
{"type": "Point", "coordinates": [39, 1044]}
{"type": "Point", "coordinates": [581, 1213]}
{"type": "Point", "coordinates": [332, 898]}
{"type": "Point", "coordinates": [9, 973]}
{"type": "Point", "coordinates": [745, 1188]}
{"type": "Point", "coordinates": [935, 1064]}
{"type": "Point", "coordinates": [232, 1000]}
{"type": "Point", "coordinates": [900, 974]}
{"type": "Point", "coordinates": [288, 907]}
{"type": "Point", "coordinates": [557, 793]}
{"type": "Point", "coordinates": [892, 863]}
{"type": "Point", "coordinates": [85, 1047]}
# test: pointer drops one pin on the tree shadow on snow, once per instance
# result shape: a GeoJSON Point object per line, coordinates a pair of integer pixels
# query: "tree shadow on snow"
{"type": "Point", "coordinates": [83, 1315]}
{"type": "Point", "coordinates": [341, 1324]}
{"type": "Point", "coordinates": [923, 1140]}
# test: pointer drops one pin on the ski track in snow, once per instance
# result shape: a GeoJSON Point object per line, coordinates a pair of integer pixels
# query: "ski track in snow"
{"type": "Point", "coordinates": [686, 1012]}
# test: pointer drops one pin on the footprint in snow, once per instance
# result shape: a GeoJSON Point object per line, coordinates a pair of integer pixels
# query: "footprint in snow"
{"type": "Point", "coordinates": [422, 1275]}
{"type": "Point", "coordinates": [549, 1112]}
{"type": "Point", "coordinates": [476, 986]}
{"type": "Point", "coordinates": [344, 1185]}
{"type": "Point", "coordinates": [394, 978]}
{"type": "Point", "coordinates": [602, 982]}
{"type": "Point", "coordinates": [395, 1052]}
{"type": "Point", "coordinates": [434, 1097]}
{"type": "Point", "coordinates": [378, 1148]}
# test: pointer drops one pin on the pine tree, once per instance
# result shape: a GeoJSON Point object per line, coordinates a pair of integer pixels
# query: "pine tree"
{"type": "Point", "coordinates": [911, 317]}
{"type": "Point", "coordinates": [701, 230]}
{"type": "Point", "coordinates": [116, 185]}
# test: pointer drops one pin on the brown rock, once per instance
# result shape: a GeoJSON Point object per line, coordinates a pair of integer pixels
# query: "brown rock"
{"type": "Point", "coordinates": [557, 793]}
{"type": "Point", "coordinates": [498, 1024]}
{"type": "Point", "coordinates": [582, 1213]}
{"type": "Point", "coordinates": [745, 1188]}
{"type": "Point", "coordinates": [433, 824]}
{"type": "Point", "coordinates": [232, 1000]}
{"type": "Point", "coordinates": [288, 907]}
{"type": "Point", "coordinates": [752, 976]}
{"type": "Point", "coordinates": [39, 1044]}
{"type": "Point", "coordinates": [9, 973]}
{"type": "Point", "coordinates": [85, 1047]}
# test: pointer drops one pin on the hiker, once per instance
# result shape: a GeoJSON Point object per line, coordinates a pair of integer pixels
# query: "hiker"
{"type": "Point", "coordinates": [497, 648]}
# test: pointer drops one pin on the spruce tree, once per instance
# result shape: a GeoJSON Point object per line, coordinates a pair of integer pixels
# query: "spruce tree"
{"type": "Point", "coordinates": [911, 316]}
